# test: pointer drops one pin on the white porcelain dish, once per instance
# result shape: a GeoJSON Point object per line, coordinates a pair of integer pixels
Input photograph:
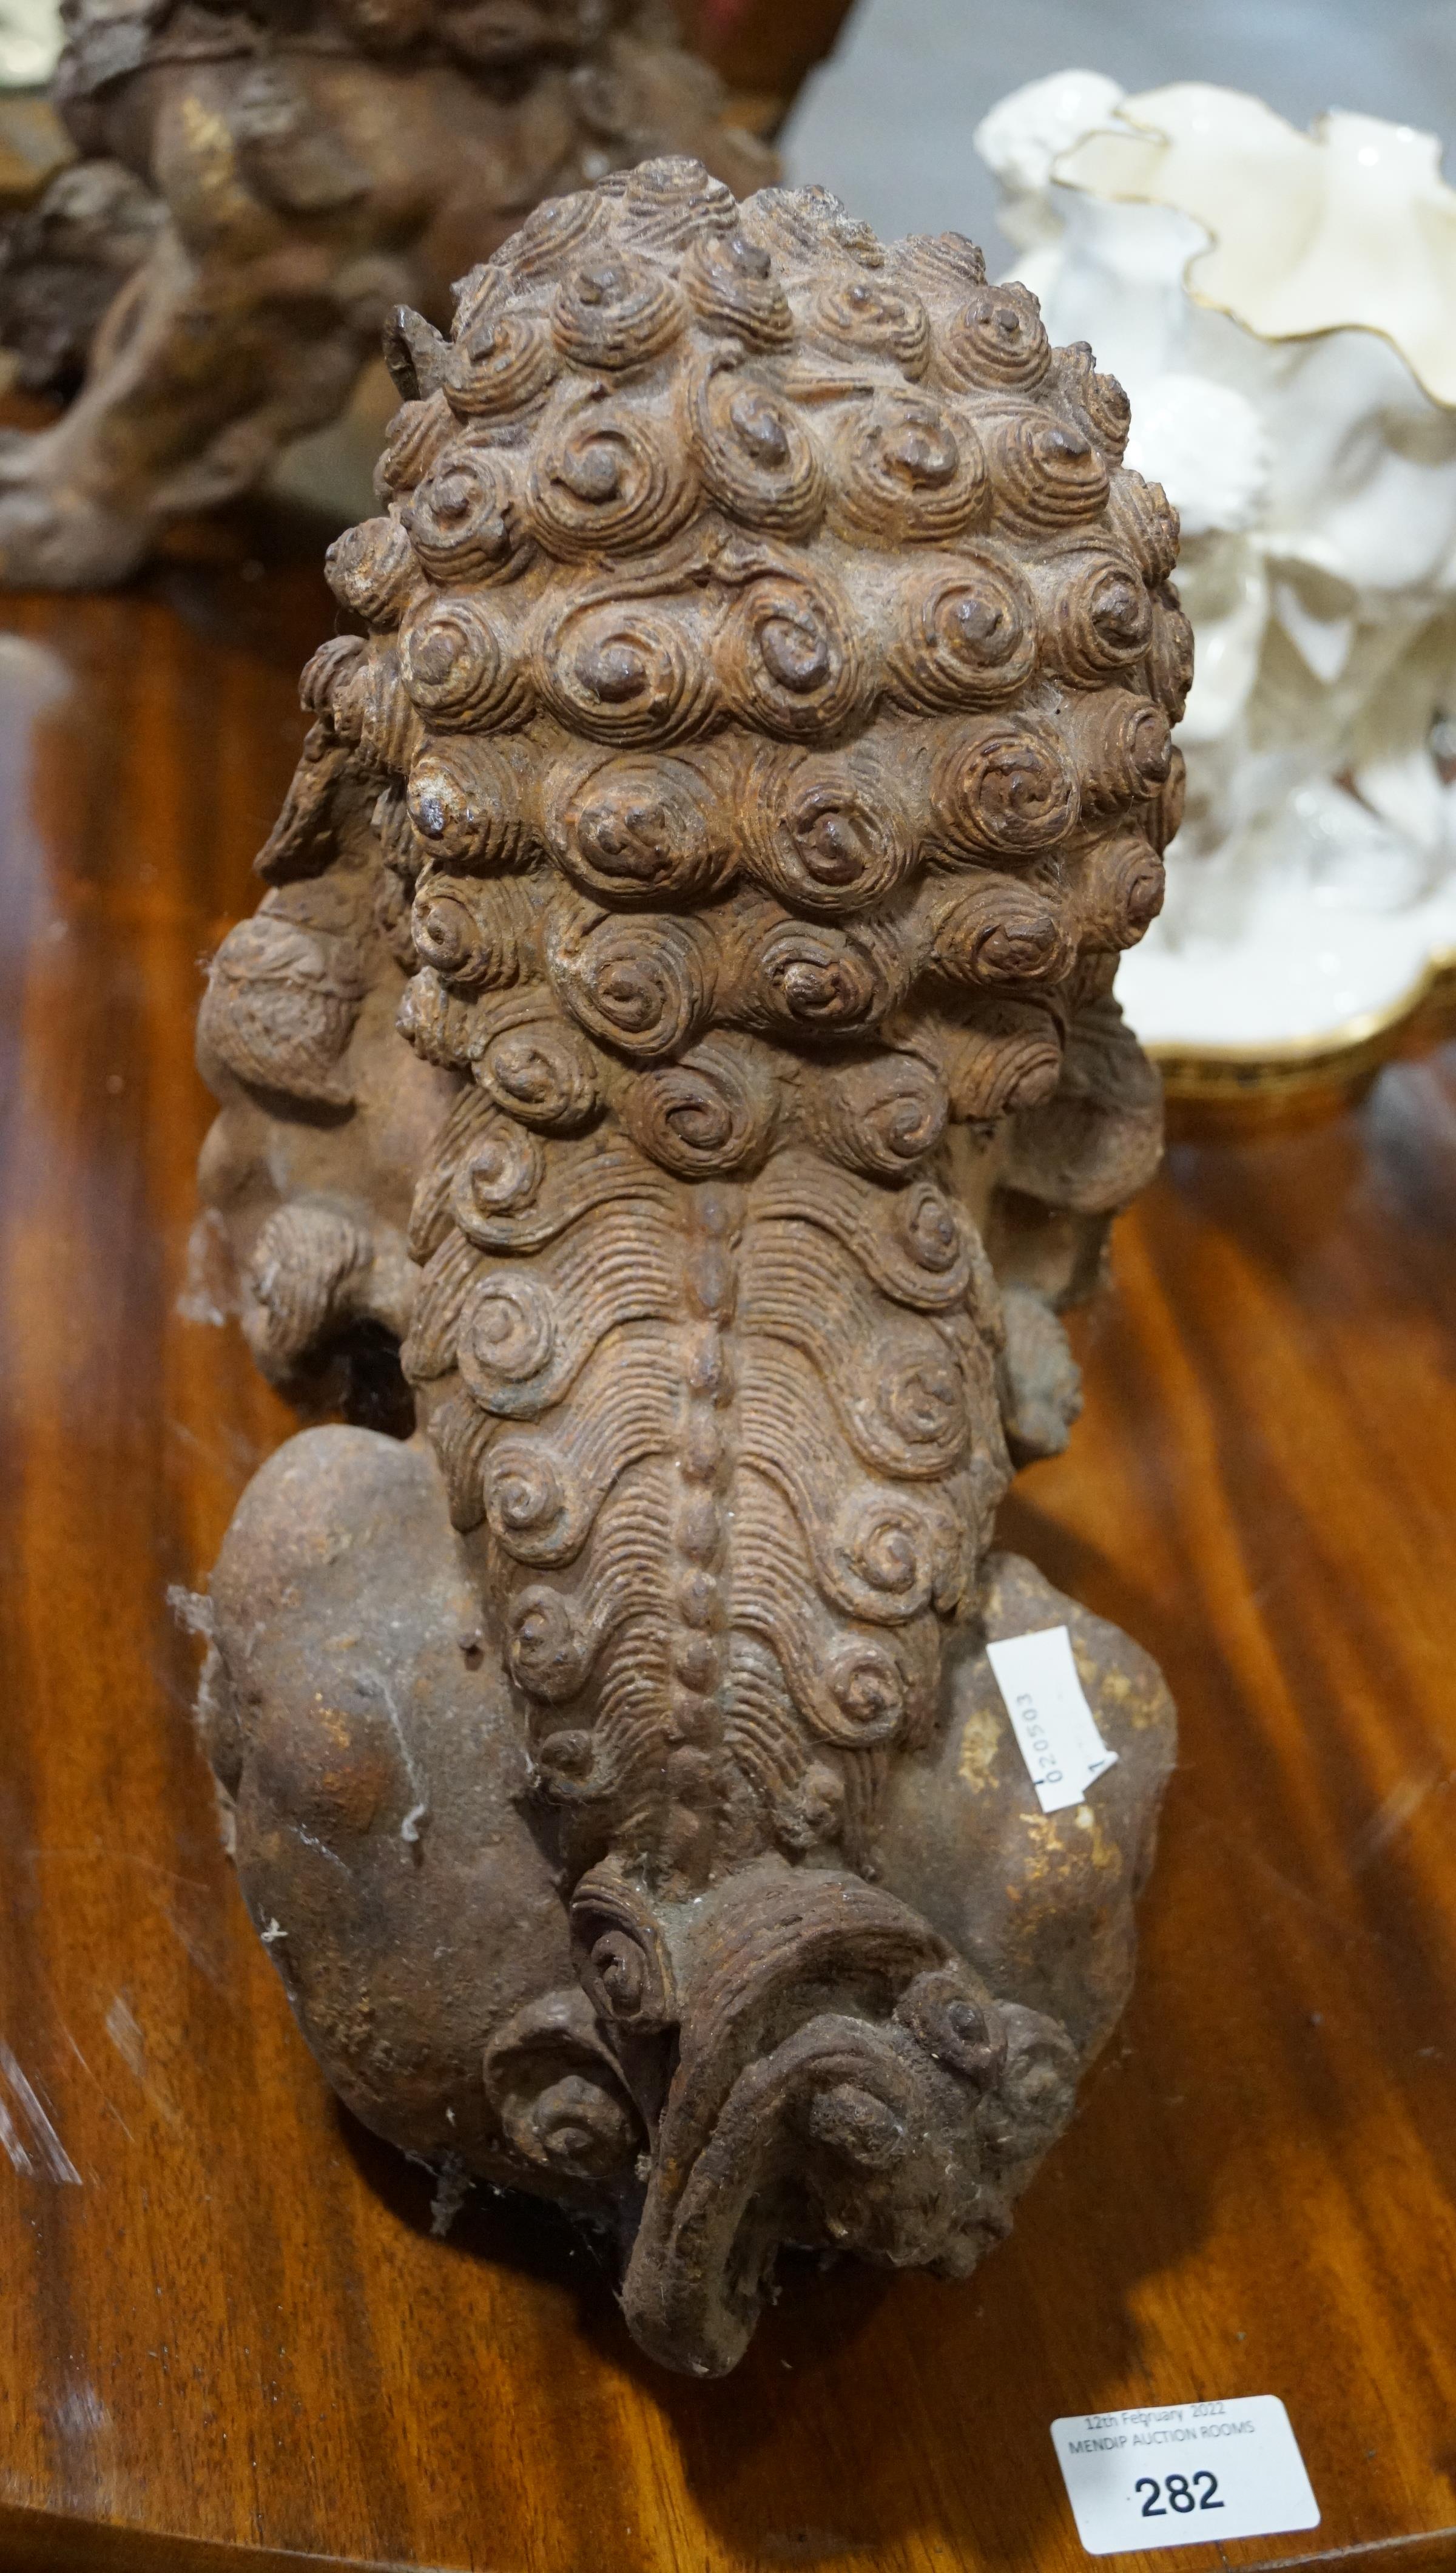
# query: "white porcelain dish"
{"type": "Point", "coordinates": [1281, 308]}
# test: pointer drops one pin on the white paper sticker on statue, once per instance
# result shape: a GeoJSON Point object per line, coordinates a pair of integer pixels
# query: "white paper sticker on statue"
{"type": "Point", "coordinates": [1052, 1722]}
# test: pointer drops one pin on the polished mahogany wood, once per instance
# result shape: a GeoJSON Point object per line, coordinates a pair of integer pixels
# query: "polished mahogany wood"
{"type": "Point", "coordinates": [226, 2338]}
{"type": "Point", "coordinates": [762, 48]}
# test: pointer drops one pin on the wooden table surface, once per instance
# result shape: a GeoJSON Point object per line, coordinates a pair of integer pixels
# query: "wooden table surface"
{"type": "Point", "coordinates": [226, 2334]}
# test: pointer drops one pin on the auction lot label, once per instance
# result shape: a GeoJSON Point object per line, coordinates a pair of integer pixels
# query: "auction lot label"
{"type": "Point", "coordinates": [1052, 1720]}
{"type": "Point", "coordinates": [1185, 2475]}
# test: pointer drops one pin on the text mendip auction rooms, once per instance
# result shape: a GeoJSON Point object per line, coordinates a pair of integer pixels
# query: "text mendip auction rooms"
{"type": "Point", "coordinates": [1203, 2421]}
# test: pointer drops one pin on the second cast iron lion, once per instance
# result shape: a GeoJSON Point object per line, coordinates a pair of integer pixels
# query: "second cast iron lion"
{"type": "Point", "coordinates": [756, 755]}
{"type": "Point", "coordinates": [261, 181]}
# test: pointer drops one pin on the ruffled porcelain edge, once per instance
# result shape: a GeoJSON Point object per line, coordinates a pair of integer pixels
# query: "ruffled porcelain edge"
{"type": "Point", "coordinates": [1129, 122]}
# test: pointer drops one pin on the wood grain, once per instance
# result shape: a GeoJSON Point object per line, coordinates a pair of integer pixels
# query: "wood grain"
{"type": "Point", "coordinates": [227, 2337]}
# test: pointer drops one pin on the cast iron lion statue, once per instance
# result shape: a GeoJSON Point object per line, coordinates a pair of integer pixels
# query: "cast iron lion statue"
{"type": "Point", "coordinates": [681, 1026]}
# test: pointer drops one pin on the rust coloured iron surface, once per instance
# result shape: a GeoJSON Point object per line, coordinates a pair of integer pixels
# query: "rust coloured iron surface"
{"type": "Point", "coordinates": [670, 1088]}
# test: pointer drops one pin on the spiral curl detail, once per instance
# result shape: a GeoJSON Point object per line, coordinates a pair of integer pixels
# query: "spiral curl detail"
{"type": "Point", "coordinates": [617, 311]}
{"type": "Point", "coordinates": [671, 202]}
{"type": "Point", "coordinates": [1145, 522]}
{"type": "Point", "coordinates": [928, 1226]}
{"type": "Point", "coordinates": [461, 668]}
{"type": "Point", "coordinates": [999, 931]}
{"type": "Point", "coordinates": [547, 1652]}
{"type": "Point", "coordinates": [371, 569]}
{"type": "Point", "coordinates": [542, 1073]}
{"type": "Point", "coordinates": [921, 1398]}
{"type": "Point", "coordinates": [605, 481]}
{"type": "Point", "coordinates": [506, 1334]}
{"type": "Point", "coordinates": [526, 1506]}
{"type": "Point", "coordinates": [621, 1958]}
{"type": "Point", "coordinates": [865, 1699]}
{"type": "Point", "coordinates": [959, 2026]}
{"type": "Point", "coordinates": [711, 1113]}
{"type": "Point", "coordinates": [866, 317]}
{"type": "Point", "coordinates": [996, 340]}
{"type": "Point", "coordinates": [809, 224]}
{"type": "Point", "coordinates": [540, 246]}
{"type": "Point", "coordinates": [732, 287]}
{"type": "Point", "coordinates": [1046, 473]}
{"type": "Point", "coordinates": [415, 435]}
{"type": "Point", "coordinates": [628, 671]}
{"type": "Point", "coordinates": [378, 712]}
{"type": "Point", "coordinates": [881, 1117]}
{"type": "Point", "coordinates": [1011, 1057]}
{"type": "Point", "coordinates": [484, 290]}
{"type": "Point", "coordinates": [643, 984]}
{"type": "Point", "coordinates": [755, 455]}
{"type": "Point", "coordinates": [940, 265]}
{"type": "Point", "coordinates": [909, 473]}
{"type": "Point", "coordinates": [464, 520]}
{"type": "Point", "coordinates": [482, 932]}
{"type": "Point", "coordinates": [465, 802]}
{"type": "Point", "coordinates": [963, 636]}
{"type": "Point", "coordinates": [1005, 787]}
{"type": "Point", "coordinates": [1102, 618]}
{"type": "Point", "coordinates": [826, 832]}
{"type": "Point", "coordinates": [1124, 750]}
{"type": "Point", "coordinates": [324, 682]}
{"type": "Point", "coordinates": [577, 2125]}
{"type": "Point", "coordinates": [435, 1022]}
{"type": "Point", "coordinates": [812, 979]}
{"type": "Point", "coordinates": [790, 657]}
{"type": "Point", "coordinates": [1099, 399]}
{"type": "Point", "coordinates": [1121, 891]}
{"type": "Point", "coordinates": [881, 1540]}
{"type": "Point", "coordinates": [503, 362]}
{"type": "Point", "coordinates": [503, 1173]}
{"type": "Point", "coordinates": [641, 828]}
{"type": "Point", "coordinates": [450, 934]}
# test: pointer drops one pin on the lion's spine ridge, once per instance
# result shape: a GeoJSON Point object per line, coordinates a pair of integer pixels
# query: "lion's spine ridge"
{"type": "Point", "coordinates": [736, 1447]}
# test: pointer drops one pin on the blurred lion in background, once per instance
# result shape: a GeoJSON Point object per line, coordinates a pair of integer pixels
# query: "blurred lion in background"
{"type": "Point", "coordinates": [257, 188]}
